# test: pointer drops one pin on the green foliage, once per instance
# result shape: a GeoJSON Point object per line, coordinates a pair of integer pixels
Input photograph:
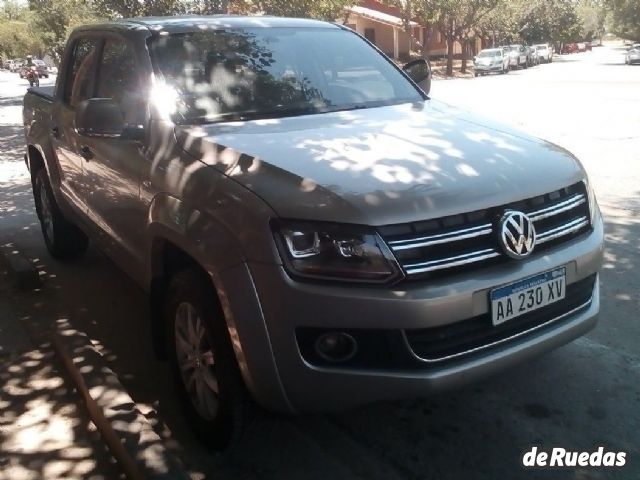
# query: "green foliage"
{"type": "Point", "coordinates": [624, 18]}
{"type": "Point", "coordinates": [53, 20]}
{"type": "Point", "coordinates": [17, 40]}
{"type": "Point", "coordinates": [551, 20]}
{"type": "Point", "coordinates": [321, 9]}
{"type": "Point", "coordinates": [592, 15]}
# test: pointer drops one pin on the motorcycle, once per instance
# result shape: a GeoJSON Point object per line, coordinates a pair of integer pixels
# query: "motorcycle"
{"type": "Point", "coordinates": [33, 77]}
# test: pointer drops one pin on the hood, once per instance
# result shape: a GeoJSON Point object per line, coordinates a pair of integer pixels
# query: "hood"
{"type": "Point", "coordinates": [383, 165]}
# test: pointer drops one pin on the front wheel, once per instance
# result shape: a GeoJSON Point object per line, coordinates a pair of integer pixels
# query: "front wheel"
{"type": "Point", "coordinates": [214, 398]}
{"type": "Point", "coordinates": [63, 240]}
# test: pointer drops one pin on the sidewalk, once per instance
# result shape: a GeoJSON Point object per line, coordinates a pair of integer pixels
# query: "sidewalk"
{"type": "Point", "coordinates": [44, 433]}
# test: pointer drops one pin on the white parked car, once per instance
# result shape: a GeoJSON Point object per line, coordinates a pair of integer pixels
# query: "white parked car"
{"type": "Point", "coordinates": [633, 54]}
{"type": "Point", "coordinates": [491, 60]}
{"type": "Point", "coordinates": [545, 52]}
{"type": "Point", "coordinates": [518, 56]}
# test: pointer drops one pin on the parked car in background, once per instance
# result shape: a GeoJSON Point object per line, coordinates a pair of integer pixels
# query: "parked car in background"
{"type": "Point", "coordinates": [582, 47]}
{"type": "Point", "coordinates": [595, 42]}
{"type": "Point", "coordinates": [491, 60]}
{"type": "Point", "coordinates": [532, 56]}
{"type": "Point", "coordinates": [587, 46]}
{"type": "Point", "coordinates": [513, 60]}
{"type": "Point", "coordinates": [273, 272]}
{"type": "Point", "coordinates": [41, 68]}
{"type": "Point", "coordinates": [545, 52]}
{"type": "Point", "coordinates": [519, 54]}
{"type": "Point", "coordinates": [569, 48]}
{"type": "Point", "coordinates": [15, 65]}
{"type": "Point", "coordinates": [632, 55]}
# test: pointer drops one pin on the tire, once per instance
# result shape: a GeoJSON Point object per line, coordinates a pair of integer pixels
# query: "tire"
{"type": "Point", "coordinates": [63, 240]}
{"type": "Point", "coordinates": [206, 361]}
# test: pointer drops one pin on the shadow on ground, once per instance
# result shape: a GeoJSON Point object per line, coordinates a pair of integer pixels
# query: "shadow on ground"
{"type": "Point", "coordinates": [578, 397]}
{"type": "Point", "coordinates": [42, 429]}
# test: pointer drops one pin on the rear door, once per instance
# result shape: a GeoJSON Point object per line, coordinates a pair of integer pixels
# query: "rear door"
{"type": "Point", "coordinates": [116, 165]}
{"type": "Point", "coordinates": [78, 86]}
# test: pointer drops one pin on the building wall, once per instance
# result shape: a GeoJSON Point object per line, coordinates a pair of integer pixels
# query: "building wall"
{"type": "Point", "coordinates": [383, 34]}
{"type": "Point", "coordinates": [437, 45]}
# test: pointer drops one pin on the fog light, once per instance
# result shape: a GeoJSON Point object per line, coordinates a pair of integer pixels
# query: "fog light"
{"type": "Point", "coordinates": [336, 346]}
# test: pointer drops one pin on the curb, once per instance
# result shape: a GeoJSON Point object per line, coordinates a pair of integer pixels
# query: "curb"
{"type": "Point", "coordinates": [24, 274]}
{"type": "Point", "coordinates": [128, 434]}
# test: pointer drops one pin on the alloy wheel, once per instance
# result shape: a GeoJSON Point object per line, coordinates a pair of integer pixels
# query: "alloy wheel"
{"type": "Point", "coordinates": [46, 215]}
{"type": "Point", "coordinates": [196, 361]}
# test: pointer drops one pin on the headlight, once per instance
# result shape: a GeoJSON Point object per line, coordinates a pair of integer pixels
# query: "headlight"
{"type": "Point", "coordinates": [331, 251]}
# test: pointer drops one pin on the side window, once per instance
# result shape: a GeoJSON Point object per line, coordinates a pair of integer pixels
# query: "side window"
{"type": "Point", "coordinates": [119, 80]}
{"type": "Point", "coordinates": [81, 72]}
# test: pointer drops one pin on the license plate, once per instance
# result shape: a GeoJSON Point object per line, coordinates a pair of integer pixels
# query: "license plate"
{"type": "Point", "coordinates": [524, 296]}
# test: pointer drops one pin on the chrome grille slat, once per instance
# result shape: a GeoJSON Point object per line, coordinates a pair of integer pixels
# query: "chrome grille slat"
{"type": "Point", "coordinates": [450, 262]}
{"type": "Point", "coordinates": [565, 206]}
{"type": "Point", "coordinates": [454, 236]}
{"type": "Point", "coordinates": [467, 241]}
{"type": "Point", "coordinates": [562, 230]}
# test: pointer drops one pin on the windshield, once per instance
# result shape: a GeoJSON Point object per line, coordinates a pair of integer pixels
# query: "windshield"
{"type": "Point", "coordinates": [240, 74]}
{"type": "Point", "coordinates": [489, 53]}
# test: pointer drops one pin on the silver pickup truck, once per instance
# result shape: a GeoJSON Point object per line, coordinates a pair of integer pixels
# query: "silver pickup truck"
{"type": "Point", "coordinates": [314, 231]}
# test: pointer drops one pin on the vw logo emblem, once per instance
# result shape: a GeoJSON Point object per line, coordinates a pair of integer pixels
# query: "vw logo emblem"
{"type": "Point", "coordinates": [517, 234]}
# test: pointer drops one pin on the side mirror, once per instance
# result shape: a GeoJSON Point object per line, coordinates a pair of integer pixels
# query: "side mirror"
{"type": "Point", "coordinates": [420, 72]}
{"type": "Point", "coordinates": [99, 117]}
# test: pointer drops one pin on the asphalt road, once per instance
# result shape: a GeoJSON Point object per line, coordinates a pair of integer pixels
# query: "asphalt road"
{"type": "Point", "coordinates": [584, 395]}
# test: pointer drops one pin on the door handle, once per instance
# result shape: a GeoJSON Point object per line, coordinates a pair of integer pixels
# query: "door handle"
{"type": "Point", "coordinates": [55, 131]}
{"type": "Point", "coordinates": [86, 152]}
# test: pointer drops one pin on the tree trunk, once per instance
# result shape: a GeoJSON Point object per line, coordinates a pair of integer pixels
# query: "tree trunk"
{"type": "Point", "coordinates": [426, 38]}
{"type": "Point", "coordinates": [450, 46]}
{"type": "Point", "coordinates": [465, 54]}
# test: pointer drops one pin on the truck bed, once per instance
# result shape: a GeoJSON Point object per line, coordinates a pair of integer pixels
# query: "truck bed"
{"type": "Point", "coordinates": [44, 92]}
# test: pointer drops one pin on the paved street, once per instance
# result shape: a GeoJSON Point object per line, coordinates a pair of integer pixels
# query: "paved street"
{"type": "Point", "coordinates": [584, 395]}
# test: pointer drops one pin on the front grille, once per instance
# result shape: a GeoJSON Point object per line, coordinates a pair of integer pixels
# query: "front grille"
{"type": "Point", "coordinates": [457, 243]}
{"type": "Point", "coordinates": [478, 333]}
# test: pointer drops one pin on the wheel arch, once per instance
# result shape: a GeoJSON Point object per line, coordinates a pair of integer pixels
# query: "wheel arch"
{"type": "Point", "coordinates": [241, 310]}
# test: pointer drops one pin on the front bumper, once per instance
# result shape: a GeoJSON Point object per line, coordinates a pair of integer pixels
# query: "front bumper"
{"type": "Point", "coordinates": [489, 68]}
{"type": "Point", "coordinates": [289, 305]}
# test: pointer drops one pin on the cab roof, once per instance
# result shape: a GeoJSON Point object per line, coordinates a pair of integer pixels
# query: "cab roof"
{"type": "Point", "coordinates": [181, 23]}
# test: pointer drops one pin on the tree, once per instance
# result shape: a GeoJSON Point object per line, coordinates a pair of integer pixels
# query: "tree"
{"type": "Point", "coordinates": [624, 18]}
{"type": "Point", "coordinates": [17, 39]}
{"type": "Point", "coordinates": [592, 14]}
{"type": "Point", "coordinates": [53, 20]}
{"type": "Point", "coordinates": [550, 20]}
{"type": "Point", "coordinates": [456, 20]}
{"type": "Point", "coordinates": [504, 23]}
{"type": "Point", "coordinates": [320, 9]}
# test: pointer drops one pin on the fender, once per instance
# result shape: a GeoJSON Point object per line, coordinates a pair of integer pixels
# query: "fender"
{"type": "Point", "coordinates": [198, 234]}
{"type": "Point", "coordinates": [215, 248]}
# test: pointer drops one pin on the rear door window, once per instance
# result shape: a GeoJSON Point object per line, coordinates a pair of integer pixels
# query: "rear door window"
{"type": "Point", "coordinates": [79, 83]}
